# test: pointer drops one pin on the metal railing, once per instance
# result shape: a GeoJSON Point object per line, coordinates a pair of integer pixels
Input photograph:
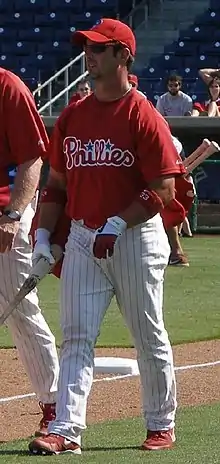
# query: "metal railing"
{"type": "Point", "coordinates": [68, 86]}
{"type": "Point", "coordinates": [136, 17]}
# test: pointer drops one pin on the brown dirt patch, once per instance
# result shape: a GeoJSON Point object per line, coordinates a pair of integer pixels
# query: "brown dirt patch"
{"type": "Point", "coordinates": [197, 386]}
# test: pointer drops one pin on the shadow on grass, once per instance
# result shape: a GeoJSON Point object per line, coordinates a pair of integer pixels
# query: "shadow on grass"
{"type": "Point", "coordinates": [14, 452]}
{"type": "Point", "coordinates": [17, 452]}
{"type": "Point", "coordinates": [110, 448]}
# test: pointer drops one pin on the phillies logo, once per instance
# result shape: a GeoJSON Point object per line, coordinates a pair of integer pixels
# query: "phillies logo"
{"type": "Point", "coordinates": [97, 153]}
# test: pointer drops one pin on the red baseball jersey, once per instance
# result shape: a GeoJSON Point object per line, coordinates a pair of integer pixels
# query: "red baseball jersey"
{"type": "Point", "coordinates": [75, 97]}
{"type": "Point", "coordinates": [203, 107]}
{"type": "Point", "coordinates": [110, 152]}
{"type": "Point", "coordinates": [22, 132]}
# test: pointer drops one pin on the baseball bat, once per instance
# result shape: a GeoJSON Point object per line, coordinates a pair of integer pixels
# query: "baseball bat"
{"type": "Point", "coordinates": [213, 148]}
{"type": "Point", "coordinates": [38, 272]}
{"type": "Point", "coordinates": [196, 153]}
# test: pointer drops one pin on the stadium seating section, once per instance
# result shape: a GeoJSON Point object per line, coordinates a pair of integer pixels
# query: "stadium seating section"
{"type": "Point", "coordinates": [35, 35]}
{"type": "Point", "coordinates": [197, 47]}
{"type": "Point", "coordinates": [35, 41]}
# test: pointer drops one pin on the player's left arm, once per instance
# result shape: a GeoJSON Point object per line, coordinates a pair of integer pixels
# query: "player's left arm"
{"type": "Point", "coordinates": [159, 193]}
{"type": "Point", "coordinates": [27, 139]}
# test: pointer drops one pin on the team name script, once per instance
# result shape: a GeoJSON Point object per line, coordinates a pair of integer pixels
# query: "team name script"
{"type": "Point", "coordinates": [99, 152]}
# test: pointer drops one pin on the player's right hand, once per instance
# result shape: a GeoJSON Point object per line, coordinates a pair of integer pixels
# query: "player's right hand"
{"type": "Point", "coordinates": [42, 250]}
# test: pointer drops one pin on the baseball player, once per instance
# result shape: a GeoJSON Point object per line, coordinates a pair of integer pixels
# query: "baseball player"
{"type": "Point", "coordinates": [23, 142]}
{"type": "Point", "coordinates": [83, 90]}
{"type": "Point", "coordinates": [118, 171]}
{"type": "Point", "coordinates": [177, 255]}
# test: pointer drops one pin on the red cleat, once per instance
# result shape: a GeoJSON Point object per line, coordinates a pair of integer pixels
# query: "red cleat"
{"type": "Point", "coordinates": [159, 440]}
{"type": "Point", "coordinates": [53, 444]}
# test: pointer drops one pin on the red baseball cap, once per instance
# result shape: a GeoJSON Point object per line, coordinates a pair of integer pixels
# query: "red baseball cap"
{"type": "Point", "coordinates": [133, 79]}
{"type": "Point", "coordinates": [108, 30]}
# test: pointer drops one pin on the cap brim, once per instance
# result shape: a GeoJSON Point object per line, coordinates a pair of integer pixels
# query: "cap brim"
{"type": "Point", "coordinates": [80, 37]}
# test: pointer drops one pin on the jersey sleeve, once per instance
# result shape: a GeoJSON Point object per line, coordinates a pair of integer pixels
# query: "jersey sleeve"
{"type": "Point", "coordinates": [25, 131]}
{"type": "Point", "coordinates": [156, 153]}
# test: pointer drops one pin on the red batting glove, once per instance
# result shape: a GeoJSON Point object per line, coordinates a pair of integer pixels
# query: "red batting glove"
{"type": "Point", "coordinates": [107, 236]}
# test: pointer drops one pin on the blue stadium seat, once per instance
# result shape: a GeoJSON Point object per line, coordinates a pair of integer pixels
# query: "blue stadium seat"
{"type": "Point", "coordinates": [155, 84]}
{"type": "Point", "coordinates": [101, 5]}
{"type": "Point", "coordinates": [53, 47]}
{"type": "Point", "coordinates": [9, 61]}
{"type": "Point", "coordinates": [185, 47]}
{"type": "Point", "coordinates": [66, 6]}
{"type": "Point", "coordinates": [51, 19]}
{"type": "Point", "coordinates": [197, 33]}
{"type": "Point", "coordinates": [18, 48]}
{"type": "Point", "coordinates": [171, 62]}
{"type": "Point", "coordinates": [202, 61]}
{"type": "Point", "coordinates": [63, 34]}
{"type": "Point", "coordinates": [84, 20]}
{"type": "Point", "coordinates": [152, 71]}
{"type": "Point", "coordinates": [215, 5]}
{"type": "Point", "coordinates": [36, 34]}
{"type": "Point", "coordinates": [212, 48]}
{"type": "Point", "coordinates": [31, 5]}
{"type": "Point", "coordinates": [7, 33]}
{"type": "Point", "coordinates": [15, 20]}
{"type": "Point", "coordinates": [6, 6]}
{"type": "Point", "coordinates": [209, 17]}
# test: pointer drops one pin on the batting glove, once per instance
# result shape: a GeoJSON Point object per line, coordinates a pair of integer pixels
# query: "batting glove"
{"type": "Point", "coordinates": [107, 236]}
{"type": "Point", "coordinates": [42, 247]}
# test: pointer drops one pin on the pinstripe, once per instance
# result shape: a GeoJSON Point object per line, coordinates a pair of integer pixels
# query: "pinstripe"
{"type": "Point", "coordinates": [135, 275]}
{"type": "Point", "coordinates": [30, 332]}
{"type": "Point", "coordinates": [138, 270]}
{"type": "Point", "coordinates": [84, 300]}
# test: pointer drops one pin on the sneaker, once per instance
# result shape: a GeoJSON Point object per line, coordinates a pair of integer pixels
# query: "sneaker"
{"type": "Point", "coordinates": [178, 260]}
{"type": "Point", "coordinates": [49, 414]}
{"type": "Point", "coordinates": [53, 444]}
{"type": "Point", "coordinates": [159, 440]}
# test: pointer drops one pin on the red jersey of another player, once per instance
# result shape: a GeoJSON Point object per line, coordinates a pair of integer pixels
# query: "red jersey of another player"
{"type": "Point", "coordinates": [109, 152]}
{"type": "Point", "coordinates": [22, 133]}
{"type": "Point", "coordinates": [75, 97]}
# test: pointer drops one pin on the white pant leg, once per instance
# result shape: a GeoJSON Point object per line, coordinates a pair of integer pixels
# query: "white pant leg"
{"type": "Point", "coordinates": [34, 341]}
{"type": "Point", "coordinates": [138, 268]}
{"type": "Point", "coordinates": [86, 293]}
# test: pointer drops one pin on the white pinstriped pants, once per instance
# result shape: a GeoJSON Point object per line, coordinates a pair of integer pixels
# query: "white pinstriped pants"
{"type": "Point", "coordinates": [34, 341]}
{"type": "Point", "coordinates": [135, 275]}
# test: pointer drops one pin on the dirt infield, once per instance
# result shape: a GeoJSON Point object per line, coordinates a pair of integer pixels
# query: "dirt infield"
{"type": "Point", "coordinates": [108, 400]}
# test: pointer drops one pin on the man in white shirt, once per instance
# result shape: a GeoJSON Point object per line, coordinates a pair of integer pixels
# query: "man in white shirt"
{"type": "Point", "coordinates": [174, 102]}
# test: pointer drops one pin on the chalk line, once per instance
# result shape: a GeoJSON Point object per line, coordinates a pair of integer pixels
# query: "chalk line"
{"type": "Point", "coordinates": [114, 378]}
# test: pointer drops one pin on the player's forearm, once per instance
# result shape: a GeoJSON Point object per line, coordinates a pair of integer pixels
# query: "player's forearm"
{"type": "Point", "coordinates": [52, 202]}
{"type": "Point", "coordinates": [26, 183]}
{"type": "Point", "coordinates": [141, 211]}
{"type": "Point", "coordinates": [49, 215]}
{"type": "Point", "coordinates": [135, 214]}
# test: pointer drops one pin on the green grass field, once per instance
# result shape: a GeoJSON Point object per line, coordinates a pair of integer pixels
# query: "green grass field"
{"type": "Point", "coordinates": [191, 310]}
{"type": "Point", "coordinates": [191, 307]}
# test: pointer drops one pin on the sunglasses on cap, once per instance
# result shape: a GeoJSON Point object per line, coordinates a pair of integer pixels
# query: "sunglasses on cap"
{"type": "Point", "coordinates": [99, 48]}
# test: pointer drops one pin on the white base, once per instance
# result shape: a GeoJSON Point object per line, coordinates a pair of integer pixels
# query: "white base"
{"type": "Point", "coordinates": [107, 365]}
